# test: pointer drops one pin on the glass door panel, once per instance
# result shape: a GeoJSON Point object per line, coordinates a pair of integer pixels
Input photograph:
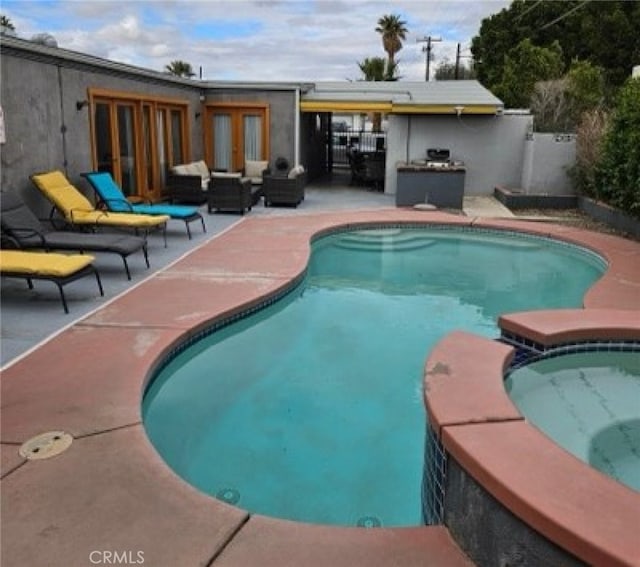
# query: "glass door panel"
{"type": "Point", "coordinates": [252, 133]}
{"type": "Point", "coordinates": [146, 181]}
{"type": "Point", "coordinates": [176, 137]}
{"type": "Point", "coordinates": [103, 138]}
{"type": "Point", "coordinates": [126, 144]}
{"type": "Point", "coordinates": [222, 142]}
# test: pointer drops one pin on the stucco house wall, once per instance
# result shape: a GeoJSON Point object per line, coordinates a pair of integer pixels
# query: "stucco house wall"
{"type": "Point", "coordinates": [547, 158]}
{"type": "Point", "coordinates": [491, 147]}
{"type": "Point", "coordinates": [282, 115]}
{"type": "Point", "coordinates": [39, 89]}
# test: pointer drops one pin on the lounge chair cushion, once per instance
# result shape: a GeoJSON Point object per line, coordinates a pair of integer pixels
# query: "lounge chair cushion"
{"type": "Point", "coordinates": [109, 192]}
{"type": "Point", "coordinates": [77, 209]}
{"type": "Point", "coordinates": [41, 264]}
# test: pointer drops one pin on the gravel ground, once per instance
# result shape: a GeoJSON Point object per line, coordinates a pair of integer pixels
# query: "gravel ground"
{"type": "Point", "coordinates": [573, 217]}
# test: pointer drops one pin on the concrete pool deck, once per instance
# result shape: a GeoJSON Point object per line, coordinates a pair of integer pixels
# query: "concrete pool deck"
{"type": "Point", "coordinates": [110, 492]}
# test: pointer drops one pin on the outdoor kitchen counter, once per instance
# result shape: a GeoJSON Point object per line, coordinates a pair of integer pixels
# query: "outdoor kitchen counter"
{"type": "Point", "coordinates": [439, 186]}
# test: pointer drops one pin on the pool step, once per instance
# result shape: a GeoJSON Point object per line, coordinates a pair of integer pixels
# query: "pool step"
{"type": "Point", "coordinates": [375, 241]}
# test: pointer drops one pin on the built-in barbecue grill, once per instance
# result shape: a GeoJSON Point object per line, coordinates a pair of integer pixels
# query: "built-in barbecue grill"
{"type": "Point", "coordinates": [438, 154]}
{"type": "Point", "coordinates": [438, 157]}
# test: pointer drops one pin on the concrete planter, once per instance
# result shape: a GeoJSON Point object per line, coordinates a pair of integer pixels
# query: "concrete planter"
{"type": "Point", "coordinates": [615, 218]}
{"type": "Point", "coordinates": [514, 199]}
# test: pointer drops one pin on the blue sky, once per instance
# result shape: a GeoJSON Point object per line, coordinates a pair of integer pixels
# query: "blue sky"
{"type": "Point", "coordinates": [260, 40]}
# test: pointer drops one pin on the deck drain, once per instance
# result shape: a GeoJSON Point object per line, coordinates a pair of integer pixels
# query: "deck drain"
{"type": "Point", "coordinates": [369, 522]}
{"type": "Point", "coordinates": [228, 495]}
{"type": "Point", "coordinates": [46, 445]}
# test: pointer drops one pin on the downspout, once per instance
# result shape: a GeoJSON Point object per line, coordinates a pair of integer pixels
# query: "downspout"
{"type": "Point", "coordinates": [296, 129]}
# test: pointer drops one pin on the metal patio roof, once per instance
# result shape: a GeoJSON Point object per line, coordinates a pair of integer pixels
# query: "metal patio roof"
{"type": "Point", "coordinates": [398, 97]}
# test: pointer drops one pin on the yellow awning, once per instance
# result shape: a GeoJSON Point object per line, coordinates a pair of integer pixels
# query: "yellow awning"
{"type": "Point", "coordinates": [443, 109]}
{"type": "Point", "coordinates": [389, 107]}
{"type": "Point", "coordinates": [344, 106]}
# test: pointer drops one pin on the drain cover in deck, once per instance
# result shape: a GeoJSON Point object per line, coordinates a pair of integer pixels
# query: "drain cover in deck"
{"type": "Point", "coordinates": [46, 445]}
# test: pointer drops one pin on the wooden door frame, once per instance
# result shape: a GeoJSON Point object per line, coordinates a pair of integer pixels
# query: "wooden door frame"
{"type": "Point", "coordinates": [138, 101]}
{"type": "Point", "coordinates": [237, 110]}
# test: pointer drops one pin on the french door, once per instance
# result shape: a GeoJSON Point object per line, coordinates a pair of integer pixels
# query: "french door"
{"type": "Point", "coordinates": [235, 133]}
{"type": "Point", "coordinates": [137, 139]}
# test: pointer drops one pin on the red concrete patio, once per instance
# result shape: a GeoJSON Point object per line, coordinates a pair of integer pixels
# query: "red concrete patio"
{"type": "Point", "coordinates": [111, 492]}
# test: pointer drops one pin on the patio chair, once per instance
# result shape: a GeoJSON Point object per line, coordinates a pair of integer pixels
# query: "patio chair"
{"type": "Point", "coordinates": [60, 269]}
{"type": "Point", "coordinates": [78, 212]}
{"type": "Point", "coordinates": [26, 231]}
{"type": "Point", "coordinates": [230, 192]}
{"type": "Point", "coordinates": [188, 182]}
{"type": "Point", "coordinates": [285, 190]}
{"type": "Point", "coordinates": [111, 196]}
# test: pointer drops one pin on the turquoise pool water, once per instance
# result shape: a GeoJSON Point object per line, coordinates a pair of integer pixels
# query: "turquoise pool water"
{"type": "Point", "coordinates": [311, 409]}
{"type": "Point", "coordinates": [588, 403]}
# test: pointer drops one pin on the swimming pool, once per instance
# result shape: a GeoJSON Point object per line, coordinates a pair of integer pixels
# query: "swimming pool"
{"type": "Point", "coordinates": [588, 403]}
{"type": "Point", "coordinates": [311, 408]}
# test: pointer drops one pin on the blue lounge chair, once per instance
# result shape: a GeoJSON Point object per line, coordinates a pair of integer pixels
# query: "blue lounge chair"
{"type": "Point", "coordinates": [111, 196]}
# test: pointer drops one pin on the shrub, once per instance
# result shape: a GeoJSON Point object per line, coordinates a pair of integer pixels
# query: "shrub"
{"type": "Point", "coordinates": [617, 175]}
{"type": "Point", "coordinates": [590, 133]}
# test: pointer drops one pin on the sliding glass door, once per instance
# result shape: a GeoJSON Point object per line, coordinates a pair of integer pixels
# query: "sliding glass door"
{"type": "Point", "coordinates": [137, 140]}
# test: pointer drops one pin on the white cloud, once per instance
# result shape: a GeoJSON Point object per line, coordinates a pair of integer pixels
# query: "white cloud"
{"type": "Point", "coordinates": [287, 40]}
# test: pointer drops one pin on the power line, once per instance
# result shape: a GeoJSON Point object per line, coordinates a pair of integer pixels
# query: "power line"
{"type": "Point", "coordinates": [563, 16]}
{"type": "Point", "coordinates": [531, 7]}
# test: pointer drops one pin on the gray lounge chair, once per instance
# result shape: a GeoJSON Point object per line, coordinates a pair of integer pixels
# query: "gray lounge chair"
{"type": "Point", "coordinates": [28, 232]}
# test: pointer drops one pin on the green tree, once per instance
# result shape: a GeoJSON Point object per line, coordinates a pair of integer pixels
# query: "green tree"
{"type": "Point", "coordinates": [373, 68]}
{"type": "Point", "coordinates": [618, 174]}
{"type": "Point", "coordinates": [603, 33]}
{"type": "Point", "coordinates": [180, 69]}
{"type": "Point", "coordinates": [446, 71]}
{"type": "Point", "coordinates": [378, 69]}
{"type": "Point", "coordinates": [6, 25]}
{"type": "Point", "coordinates": [393, 31]}
{"type": "Point", "coordinates": [525, 65]}
{"type": "Point", "coordinates": [6, 22]}
{"type": "Point", "coordinates": [585, 88]}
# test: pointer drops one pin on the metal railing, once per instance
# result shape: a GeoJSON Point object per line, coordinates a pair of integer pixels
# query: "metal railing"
{"type": "Point", "coordinates": [364, 141]}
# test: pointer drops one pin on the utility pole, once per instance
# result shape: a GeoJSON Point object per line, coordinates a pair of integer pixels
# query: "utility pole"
{"type": "Point", "coordinates": [458, 57]}
{"type": "Point", "coordinates": [427, 49]}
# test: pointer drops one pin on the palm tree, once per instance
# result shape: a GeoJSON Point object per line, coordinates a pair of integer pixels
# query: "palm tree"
{"type": "Point", "coordinates": [373, 68]}
{"type": "Point", "coordinates": [378, 69]}
{"type": "Point", "coordinates": [180, 68]}
{"type": "Point", "coordinates": [6, 25]}
{"type": "Point", "coordinates": [393, 31]}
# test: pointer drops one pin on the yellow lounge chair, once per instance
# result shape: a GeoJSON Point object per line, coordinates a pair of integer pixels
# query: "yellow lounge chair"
{"type": "Point", "coordinates": [60, 269]}
{"type": "Point", "coordinates": [78, 211]}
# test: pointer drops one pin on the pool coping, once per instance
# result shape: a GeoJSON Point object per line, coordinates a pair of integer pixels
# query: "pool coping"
{"type": "Point", "coordinates": [111, 491]}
